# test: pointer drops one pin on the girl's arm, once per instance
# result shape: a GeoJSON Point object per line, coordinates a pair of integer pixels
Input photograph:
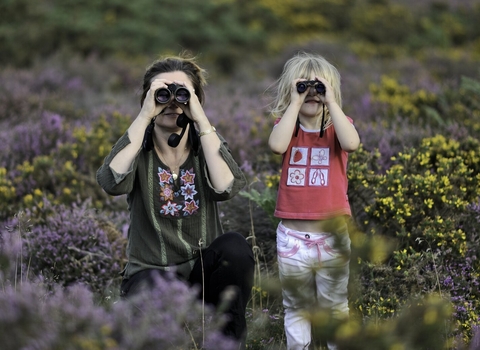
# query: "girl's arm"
{"type": "Point", "coordinates": [282, 133]}
{"type": "Point", "coordinates": [346, 133]}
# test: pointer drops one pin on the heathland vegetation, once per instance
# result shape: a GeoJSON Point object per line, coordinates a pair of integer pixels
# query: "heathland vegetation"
{"type": "Point", "coordinates": [70, 79]}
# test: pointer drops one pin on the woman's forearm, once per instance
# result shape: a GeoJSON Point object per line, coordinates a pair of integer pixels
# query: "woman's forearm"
{"type": "Point", "coordinates": [124, 159]}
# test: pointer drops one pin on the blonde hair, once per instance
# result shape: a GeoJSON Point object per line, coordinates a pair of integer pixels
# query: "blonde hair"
{"type": "Point", "coordinates": [302, 66]}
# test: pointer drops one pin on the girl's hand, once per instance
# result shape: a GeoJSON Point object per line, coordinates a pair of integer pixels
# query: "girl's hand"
{"type": "Point", "coordinates": [329, 94]}
{"type": "Point", "coordinates": [296, 97]}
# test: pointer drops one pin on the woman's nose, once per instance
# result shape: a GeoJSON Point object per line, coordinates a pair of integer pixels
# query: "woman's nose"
{"type": "Point", "coordinates": [172, 105]}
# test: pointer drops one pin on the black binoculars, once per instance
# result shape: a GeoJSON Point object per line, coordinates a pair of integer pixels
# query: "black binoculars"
{"type": "Point", "coordinates": [302, 86]}
{"type": "Point", "coordinates": [181, 94]}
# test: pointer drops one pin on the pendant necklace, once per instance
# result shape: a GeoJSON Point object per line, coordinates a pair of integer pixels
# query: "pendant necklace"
{"type": "Point", "coordinates": [172, 170]}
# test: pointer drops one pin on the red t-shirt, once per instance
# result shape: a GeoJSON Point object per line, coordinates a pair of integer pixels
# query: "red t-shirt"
{"type": "Point", "coordinates": [313, 182]}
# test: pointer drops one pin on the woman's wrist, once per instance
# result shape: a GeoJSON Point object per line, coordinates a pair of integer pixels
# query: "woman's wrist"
{"type": "Point", "coordinates": [208, 131]}
{"type": "Point", "coordinates": [147, 117]}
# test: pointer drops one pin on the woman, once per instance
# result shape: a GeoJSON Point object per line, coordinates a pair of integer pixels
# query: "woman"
{"type": "Point", "coordinates": [174, 176]}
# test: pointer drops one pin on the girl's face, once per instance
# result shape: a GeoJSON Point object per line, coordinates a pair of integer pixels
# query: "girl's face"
{"type": "Point", "coordinates": [312, 105]}
{"type": "Point", "coordinates": [170, 112]}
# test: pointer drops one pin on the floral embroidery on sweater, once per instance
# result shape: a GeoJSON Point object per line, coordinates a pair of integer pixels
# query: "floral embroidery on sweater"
{"type": "Point", "coordinates": [181, 201]}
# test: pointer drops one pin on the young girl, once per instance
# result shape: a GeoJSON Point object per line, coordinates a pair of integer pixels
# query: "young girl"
{"type": "Point", "coordinates": [314, 136]}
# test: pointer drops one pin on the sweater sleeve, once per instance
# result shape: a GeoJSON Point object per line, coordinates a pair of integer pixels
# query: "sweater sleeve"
{"type": "Point", "coordinates": [112, 182]}
{"type": "Point", "coordinates": [239, 180]}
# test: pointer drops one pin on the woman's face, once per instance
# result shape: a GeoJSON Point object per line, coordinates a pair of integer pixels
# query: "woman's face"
{"type": "Point", "coordinates": [170, 112]}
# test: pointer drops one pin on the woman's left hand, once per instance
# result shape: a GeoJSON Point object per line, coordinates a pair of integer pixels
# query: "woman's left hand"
{"type": "Point", "coordinates": [193, 108]}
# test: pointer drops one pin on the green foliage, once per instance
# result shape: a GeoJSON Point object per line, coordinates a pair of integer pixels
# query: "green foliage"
{"type": "Point", "coordinates": [384, 28]}
{"type": "Point", "coordinates": [462, 105]}
{"type": "Point", "coordinates": [267, 198]}
{"type": "Point", "coordinates": [7, 193]}
{"type": "Point", "coordinates": [421, 324]}
{"type": "Point", "coordinates": [400, 100]}
{"type": "Point", "coordinates": [93, 145]}
{"type": "Point", "coordinates": [420, 202]}
{"type": "Point", "coordinates": [224, 31]}
{"type": "Point", "coordinates": [443, 27]}
{"type": "Point", "coordinates": [453, 106]}
{"type": "Point", "coordinates": [124, 28]}
{"type": "Point", "coordinates": [396, 21]}
{"type": "Point", "coordinates": [57, 181]}
{"type": "Point", "coordinates": [426, 189]}
{"type": "Point", "coordinates": [67, 174]}
{"type": "Point", "coordinates": [265, 329]}
{"type": "Point", "coordinates": [301, 20]}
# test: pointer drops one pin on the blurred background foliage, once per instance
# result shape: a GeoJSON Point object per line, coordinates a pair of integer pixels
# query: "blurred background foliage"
{"type": "Point", "coordinates": [70, 81]}
{"type": "Point", "coordinates": [228, 31]}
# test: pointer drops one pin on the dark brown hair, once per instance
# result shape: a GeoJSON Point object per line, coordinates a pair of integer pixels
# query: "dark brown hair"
{"type": "Point", "coordinates": [183, 63]}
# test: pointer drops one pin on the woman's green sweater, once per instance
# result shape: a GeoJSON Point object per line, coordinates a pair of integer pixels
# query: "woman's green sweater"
{"type": "Point", "coordinates": [169, 220]}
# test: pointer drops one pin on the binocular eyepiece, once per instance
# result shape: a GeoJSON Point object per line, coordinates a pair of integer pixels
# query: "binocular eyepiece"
{"type": "Point", "coordinates": [180, 93]}
{"type": "Point", "coordinates": [302, 86]}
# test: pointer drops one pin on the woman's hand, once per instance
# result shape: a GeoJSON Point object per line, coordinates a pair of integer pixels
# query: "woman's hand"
{"type": "Point", "coordinates": [193, 108]}
{"type": "Point", "coordinates": [151, 107]}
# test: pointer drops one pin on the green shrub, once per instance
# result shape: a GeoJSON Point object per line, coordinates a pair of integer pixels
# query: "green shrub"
{"type": "Point", "coordinates": [420, 202]}
{"type": "Point", "coordinates": [462, 105]}
{"type": "Point", "coordinates": [66, 174]}
{"type": "Point", "coordinates": [7, 193]}
{"type": "Point", "coordinates": [400, 100]}
{"type": "Point", "coordinates": [427, 189]}
{"type": "Point", "coordinates": [396, 23]}
{"type": "Point", "coordinates": [453, 106]}
{"type": "Point", "coordinates": [422, 323]}
{"type": "Point", "coordinates": [266, 198]}
{"type": "Point", "coordinates": [109, 28]}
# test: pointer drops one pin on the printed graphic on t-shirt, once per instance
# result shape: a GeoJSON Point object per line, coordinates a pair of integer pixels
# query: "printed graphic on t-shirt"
{"type": "Point", "coordinates": [320, 156]}
{"type": "Point", "coordinates": [299, 156]}
{"type": "Point", "coordinates": [308, 167]}
{"type": "Point", "coordinates": [296, 177]}
{"type": "Point", "coordinates": [318, 177]}
{"type": "Point", "coordinates": [181, 201]}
